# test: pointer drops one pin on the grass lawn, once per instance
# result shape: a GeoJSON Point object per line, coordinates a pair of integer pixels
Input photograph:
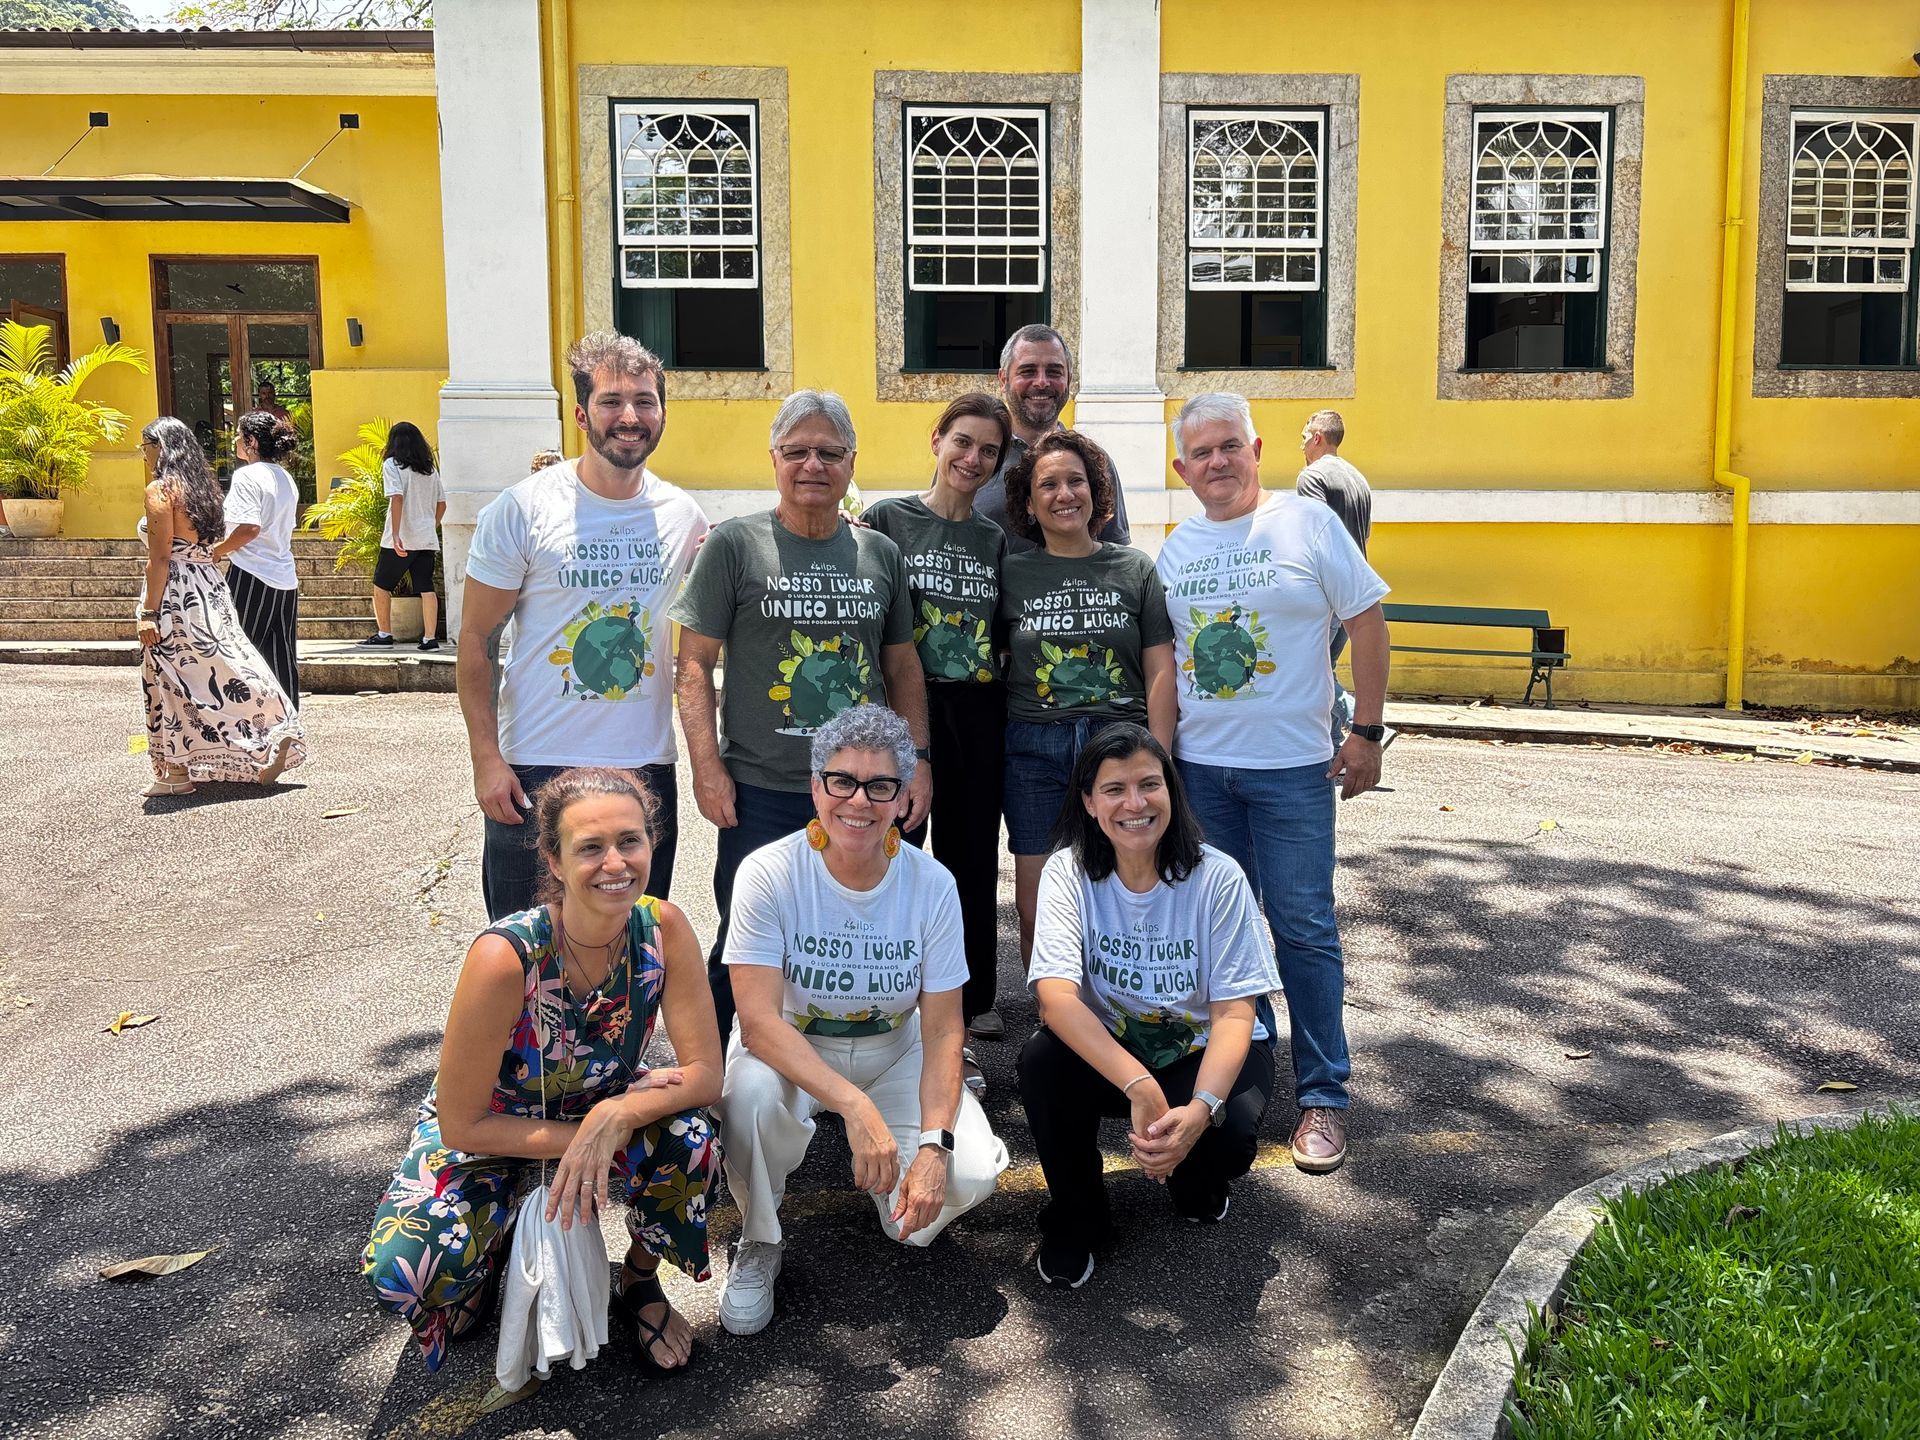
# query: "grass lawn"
{"type": "Point", "coordinates": [1779, 1297]}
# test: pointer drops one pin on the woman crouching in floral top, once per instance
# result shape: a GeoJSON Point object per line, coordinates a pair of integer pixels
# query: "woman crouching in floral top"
{"type": "Point", "coordinates": [542, 1062]}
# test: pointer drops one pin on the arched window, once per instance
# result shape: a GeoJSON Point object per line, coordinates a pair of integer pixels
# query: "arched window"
{"type": "Point", "coordinates": [1539, 220]}
{"type": "Point", "coordinates": [1255, 199]}
{"type": "Point", "coordinates": [976, 199]}
{"type": "Point", "coordinates": [1850, 208]}
{"type": "Point", "coordinates": [688, 201]}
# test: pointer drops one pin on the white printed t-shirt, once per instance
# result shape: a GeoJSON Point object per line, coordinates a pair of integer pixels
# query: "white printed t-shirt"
{"type": "Point", "coordinates": [589, 679]}
{"type": "Point", "coordinates": [1252, 601]}
{"type": "Point", "coordinates": [420, 495]}
{"type": "Point", "coordinates": [855, 961]}
{"type": "Point", "coordinates": [1151, 965]}
{"type": "Point", "coordinates": [263, 494]}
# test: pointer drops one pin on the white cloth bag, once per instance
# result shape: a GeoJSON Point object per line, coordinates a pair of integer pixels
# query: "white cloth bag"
{"type": "Point", "coordinates": [554, 1302]}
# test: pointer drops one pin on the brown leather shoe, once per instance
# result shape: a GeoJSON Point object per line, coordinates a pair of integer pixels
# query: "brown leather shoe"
{"type": "Point", "coordinates": [1320, 1140]}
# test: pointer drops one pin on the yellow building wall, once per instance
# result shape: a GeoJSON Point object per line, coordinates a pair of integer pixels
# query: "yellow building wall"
{"type": "Point", "coordinates": [383, 267]}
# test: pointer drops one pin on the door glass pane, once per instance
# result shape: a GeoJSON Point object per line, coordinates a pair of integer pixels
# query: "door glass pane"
{"type": "Point", "coordinates": [200, 381]}
{"type": "Point", "coordinates": [282, 380]}
{"type": "Point", "coordinates": [247, 287]}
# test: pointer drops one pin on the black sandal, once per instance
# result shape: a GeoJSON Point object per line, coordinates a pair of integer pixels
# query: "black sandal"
{"type": "Point", "coordinates": [635, 1295]}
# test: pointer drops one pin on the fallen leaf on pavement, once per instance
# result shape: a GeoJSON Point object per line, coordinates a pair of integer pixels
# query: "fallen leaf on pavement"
{"type": "Point", "coordinates": [339, 814]}
{"type": "Point", "coordinates": [1805, 757]}
{"type": "Point", "coordinates": [127, 1020]}
{"type": "Point", "coordinates": [319, 914]}
{"type": "Point", "coordinates": [1549, 824]}
{"type": "Point", "coordinates": [1837, 1085]}
{"type": "Point", "coordinates": [1578, 1054]}
{"type": "Point", "coordinates": [136, 744]}
{"type": "Point", "coordinates": [498, 1399]}
{"type": "Point", "coordinates": [1446, 807]}
{"type": "Point", "coordinates": [153, 1265]}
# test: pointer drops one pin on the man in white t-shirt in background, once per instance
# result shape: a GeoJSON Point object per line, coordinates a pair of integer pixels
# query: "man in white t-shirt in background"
{"type": "Point", "coordinates": [1254, 585]}
{"type": "Point", "coordinates": [1344, 490]}
{"type": "Point", "coordinates": [584, 558]}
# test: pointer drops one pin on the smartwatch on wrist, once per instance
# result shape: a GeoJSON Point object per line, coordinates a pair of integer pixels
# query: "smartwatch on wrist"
{"type": "Point", "coordinates": [1216, 1107]}
{"type": "Point", "coordinates": [939, 1139]}
{"type": "Point", "coordinates": [1375, 733]}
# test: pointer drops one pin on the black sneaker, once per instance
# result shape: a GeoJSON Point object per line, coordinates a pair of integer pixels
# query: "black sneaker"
{"type": "Point", "coordinates": [428, 644]}
{"type": "Point", "coordinates": [378, 637]}
{"type": "Point", "coordinates": [1064, 1264]}
{"type": "Point", "coordinates": [1226, 1203]}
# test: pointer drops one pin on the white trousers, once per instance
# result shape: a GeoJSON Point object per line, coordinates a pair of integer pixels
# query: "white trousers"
{"type": "Point", "coordinates": [767, 1122]}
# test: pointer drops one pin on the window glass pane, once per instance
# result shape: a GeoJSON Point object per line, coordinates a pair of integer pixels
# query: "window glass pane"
{"type": "Point", "coordinates": [946, 331]}
{"type": "Point", "coordinates": [243, 287]}
{"type": "Point", "coordinates": [1554, 330]}
{"type": "Point", "coordinates": [1833, 327]}
{"type": "Point", "coordinates": [32, 282]}
{"type": "Point", "coordinates": [1255, 329]}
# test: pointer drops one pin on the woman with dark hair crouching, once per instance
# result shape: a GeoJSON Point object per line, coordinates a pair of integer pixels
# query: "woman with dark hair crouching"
{"type": "Point", "coordinates": [543, 1061]}
{"type": "Point", "coordinates": [1149, 957]}
{"type": "Point", "coordinates": [262, 505]}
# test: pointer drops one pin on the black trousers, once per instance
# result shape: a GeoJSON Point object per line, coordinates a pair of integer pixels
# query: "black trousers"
{"type": "Point", "coordinates": [510, 863]}
{"type": "Point", "coordinates": [1066, 1098]}
{"type": "Point", "coordinates": [967, 725]}
{"type": "Point", "coordinates": [764, 816]}
{"type": "Point", "coordinates": [271, 618]}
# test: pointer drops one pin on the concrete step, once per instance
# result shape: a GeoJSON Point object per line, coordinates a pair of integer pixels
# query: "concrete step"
{"type": "Point", "coordinates": [14, 548]}
{"type": "Point", "coordinates": [13, 565]}
{"type": "Point", "coordinates": [357, 607]}
{"type": "Point", "coordinates": [55, 632]}
{"type": "Point", "coordinates": [131, 582]}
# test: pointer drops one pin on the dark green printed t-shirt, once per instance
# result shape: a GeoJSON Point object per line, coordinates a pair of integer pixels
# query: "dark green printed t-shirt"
{"type": "Point", "coordinates": [803, 622]}
{"type": "Point", "coordinates": [1076, 629]}
{"type": "Point", "coordinates": [953, 569]}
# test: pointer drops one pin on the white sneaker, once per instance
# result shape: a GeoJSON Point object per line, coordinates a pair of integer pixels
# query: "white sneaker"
{"type": "Point", "coordinates": [746, 1302]}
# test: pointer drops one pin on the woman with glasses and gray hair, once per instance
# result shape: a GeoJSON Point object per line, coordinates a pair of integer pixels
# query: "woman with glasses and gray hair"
{"type": "Point", "coordinates": [847, 962]}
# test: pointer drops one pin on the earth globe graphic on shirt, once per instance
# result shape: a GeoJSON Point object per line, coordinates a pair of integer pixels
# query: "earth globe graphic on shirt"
{"type": "Point", "coordinates": [1157, 1037]}
{"type": "Point", "coordinates": [1075, 676]}
{"type": "Point", "coordinates": [949, 648]}
{"type": "Point", "coordinates": [820, 679]}
{"type": "Point", "coordinates": [606, 651]}
{"type": "Point", "coordinates": [1225, 652]}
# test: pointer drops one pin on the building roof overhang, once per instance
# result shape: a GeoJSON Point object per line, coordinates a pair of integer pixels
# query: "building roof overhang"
{"type": "Point", "coordinates": [165, 197]}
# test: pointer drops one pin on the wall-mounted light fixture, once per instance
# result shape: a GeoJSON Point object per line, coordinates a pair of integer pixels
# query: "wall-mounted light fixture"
{"type": "Point", "coordinates": [96, 120]}
{"type": "Point", "coordinates": [356, 333]}
{"type": "Point", "coordinates": [348, 121]}
{"type": "Point", "coordinates": [109, 329]}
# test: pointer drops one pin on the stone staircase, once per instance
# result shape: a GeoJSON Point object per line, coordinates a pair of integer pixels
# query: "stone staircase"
{"type": "Point", "coordinates": [55, 591]}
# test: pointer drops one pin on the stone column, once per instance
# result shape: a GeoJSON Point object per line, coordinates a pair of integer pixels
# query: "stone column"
{"type": "Point", "coordinates": [1120, 402]}
{"type": "Point", "coordinates": [499, 405]}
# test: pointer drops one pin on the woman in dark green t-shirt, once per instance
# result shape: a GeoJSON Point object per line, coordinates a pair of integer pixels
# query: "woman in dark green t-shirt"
{"type": "Point", "coordinates": [953, 559]}
{"type": "Point", "coordinates": [1088, 638]}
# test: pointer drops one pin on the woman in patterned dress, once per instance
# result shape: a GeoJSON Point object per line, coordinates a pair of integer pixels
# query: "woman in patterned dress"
{"type": "Point", "coordinates": [214, 710]}
{"type": "Point", "coordinates": [542, 1061]}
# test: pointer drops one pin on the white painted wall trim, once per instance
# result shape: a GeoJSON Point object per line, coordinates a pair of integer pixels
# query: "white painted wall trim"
{"type": "Point", "coordinates": [215, 72]}
{"type": "Point", "coordinates": [1148, 508]}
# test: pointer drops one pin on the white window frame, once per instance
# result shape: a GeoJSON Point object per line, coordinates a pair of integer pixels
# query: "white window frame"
{"type": "Point", "coordinates": [1201, 243]}
{"type": "Point", "coordinates": [1004, 245]}
{"type": "Point", "coordinates": [1810, 244]}
{"type": "Point", "coordinates": [633, 244]}
{"type": "Point", "coordinates": [1490, 122]}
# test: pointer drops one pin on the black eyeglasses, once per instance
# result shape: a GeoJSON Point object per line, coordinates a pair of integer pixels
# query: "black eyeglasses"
{"type": "Point", "coordinates": [880, 789]}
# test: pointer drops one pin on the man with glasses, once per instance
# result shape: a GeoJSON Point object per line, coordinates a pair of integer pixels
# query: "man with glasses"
{"type": "Point", "coordinates": [584, 558]}
{"type": "Point", "coordinates": [815, 617]}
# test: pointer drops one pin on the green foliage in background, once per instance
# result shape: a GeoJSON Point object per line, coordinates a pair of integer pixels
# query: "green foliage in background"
{"type": "Point", "coordinates": [47, 432]}
{"type": "Point", "coordinates": [354, 512]}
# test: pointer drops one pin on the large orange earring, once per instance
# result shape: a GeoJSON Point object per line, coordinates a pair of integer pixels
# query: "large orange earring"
{"type": "Point", "coordinates": [816, 834]}
{"type": "Point", "coordinates": [892, 841]}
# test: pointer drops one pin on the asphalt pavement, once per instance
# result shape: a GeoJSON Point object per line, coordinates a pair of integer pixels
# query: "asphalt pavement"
{"type": "Point", "coordinates": [1560, 959]}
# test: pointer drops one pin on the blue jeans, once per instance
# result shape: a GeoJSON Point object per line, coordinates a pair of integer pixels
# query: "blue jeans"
{"type": "Point", "coordinates": [762, 816]}
{"type": "Point", "coordinates": [510, 863]}
{"type": "Point", "coordinates": [1278, 824]}
{"type": "Point", "coordinates": [1040, 760]}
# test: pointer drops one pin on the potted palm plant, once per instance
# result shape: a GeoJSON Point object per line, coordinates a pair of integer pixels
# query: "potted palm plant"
{"type": "Point", "coordinates": [47, 432]}
{"type": "Point", "coordinates": [354, 512]}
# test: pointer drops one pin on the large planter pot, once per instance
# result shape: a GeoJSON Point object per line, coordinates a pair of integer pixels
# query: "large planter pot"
{"type": "Point", "coordinates": [407, 624]}
{"type": "Point", "coordinates": [35, 519]}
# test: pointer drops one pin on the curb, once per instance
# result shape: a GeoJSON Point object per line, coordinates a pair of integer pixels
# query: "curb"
{"type": "Point", "coordinates": [1469, 1400]}
{"type": "Point", "coordinates": [1542, 735]}
{"type": "Point", "coordinates": [319, 675]}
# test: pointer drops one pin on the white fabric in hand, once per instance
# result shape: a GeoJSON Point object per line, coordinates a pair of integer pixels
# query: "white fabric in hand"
{"type": "Point", "coordinates": [554, 1305]}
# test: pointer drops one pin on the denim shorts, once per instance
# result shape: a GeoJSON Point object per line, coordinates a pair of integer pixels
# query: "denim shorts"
{"type": "Point", "coordinates": [1039, 766]}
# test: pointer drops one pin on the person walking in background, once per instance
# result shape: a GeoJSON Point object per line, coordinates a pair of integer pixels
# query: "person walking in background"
{"type": "Point", "coordinates": [583, 559]}
{"type": "Point", "coordinates": [262, 506]}
{"type": "Point", "coordinates": [1343, 490]}
{"type": "Point", "coordinates": [411, 542]}
{"type": "Point", "coordinates": [214, 709]}
{"type": "Point", "coordinates": [953, 571]}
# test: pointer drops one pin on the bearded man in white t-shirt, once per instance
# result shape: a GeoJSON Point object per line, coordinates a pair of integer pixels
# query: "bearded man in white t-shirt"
{"type": "Point", "coordinates": [1254, 585]}
{"type": "Point", "coordinates": [584, 558]}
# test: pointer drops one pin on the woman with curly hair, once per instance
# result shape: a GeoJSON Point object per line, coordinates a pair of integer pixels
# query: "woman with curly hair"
{"type": "Point", "coordinates": [262, 505]}
{"type": "Point", "coordinates": [1090, 645]}
{"type": "Point", "coordinates": [214, 709]}
{"type": "Point", "coordinates": [544, 1061]}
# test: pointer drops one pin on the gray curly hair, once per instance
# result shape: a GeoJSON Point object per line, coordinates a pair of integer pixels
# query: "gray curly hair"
{"type": "Point", "coordinates": [865, 727]}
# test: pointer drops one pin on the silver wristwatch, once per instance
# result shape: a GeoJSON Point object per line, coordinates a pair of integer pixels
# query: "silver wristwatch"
{"type": "Point", "coordinates": [1216, 1107]}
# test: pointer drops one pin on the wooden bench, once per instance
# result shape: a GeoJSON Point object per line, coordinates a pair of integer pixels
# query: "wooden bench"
{"type": "Point", "coordinates": [1546, 655]}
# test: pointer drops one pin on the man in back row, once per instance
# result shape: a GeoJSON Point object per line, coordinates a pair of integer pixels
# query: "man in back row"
{"type": "Point", "coordinates": [1036, 381]}
{"type": "Point", "coordinates": [1344, 490]}
{"type": "Point", "coordinates": [584, 557]}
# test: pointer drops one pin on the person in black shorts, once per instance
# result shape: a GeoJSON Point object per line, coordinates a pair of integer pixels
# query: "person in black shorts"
{"type": "Point", "coordinates": [410, 540]}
